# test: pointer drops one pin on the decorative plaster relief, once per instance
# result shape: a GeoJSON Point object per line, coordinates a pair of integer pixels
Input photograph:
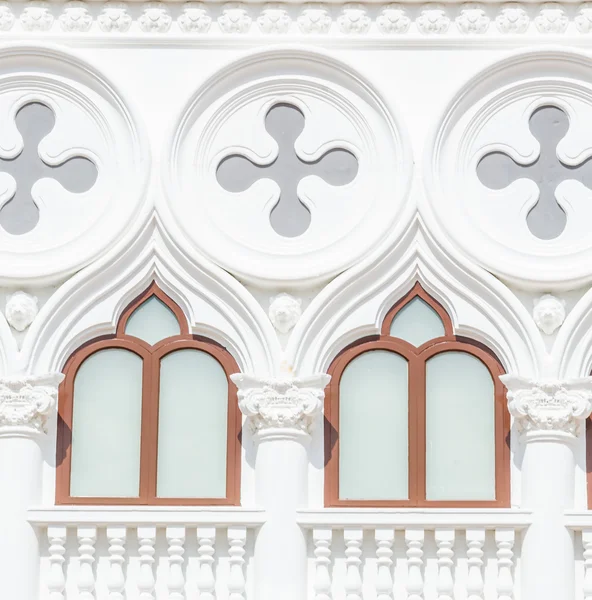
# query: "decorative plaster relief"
{"type": "Point", "coordinates": [354, 19]}
{"type": "Point", "coordinates": [26, 403]}
{"type": "Point", "coordinates": [88, 120]}
{"type": "Point", "coordinates": [194, 18]}
{"type": "Point", "coordinates": [37, 16]}
{"type": "Point", "coordinates": [284, 312]}
{"type": "Point", "coordinates": [542, 407]}
{"type": "Point", "coordinates": [229, 151]}
{"type": "Point", "coordinates": [21, 308]}
{"type": "Point", "coordinates": [315, 18]}
{"type": "Point", "coordinates": [583, 19]}
{"type": "Point", "coordinates": [7, 17]}
{"type": "Point", "coordinates": [393, 19]}
{"type": "Point", "coordinates": [472, 19]}
{"type": "Point", "coordinates": [551, 19]}
{"type": "Point", "coordinates": [433, 19]}
{"type": "Point", "coordinates": [114, 17]}
{"type": "Point", "coordinates": [529, 111]}
{"type": "Point", "coordinates": [76, 17]}
{"type": "Point", "coordinates": [513, 18]}
{"type": "Point", "coordinates": [548, 313]}
{"type": "Point", "coordinates": [274, 19]}
{"type": "Point", "coordinates": [281, 404]}
{"type": "Point", "coordinates": [234, 18]}
{"type": "Point", "coordinates": [156, 18]}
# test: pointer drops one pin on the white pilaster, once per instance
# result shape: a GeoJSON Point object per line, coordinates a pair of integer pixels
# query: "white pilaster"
{"type": "Point", "coordinates": [281, 413]}
{"type": "Point", "coordinates": [25, 404]}
{"type": "Point", "coordinates": [549, 415]}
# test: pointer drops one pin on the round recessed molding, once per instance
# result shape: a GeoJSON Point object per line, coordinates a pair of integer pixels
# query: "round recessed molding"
{"type": "Point", "coordinates": [79, 220]}
{"type": "Point", "coordinates": [341, 113]}
{"type": "Point", "coordinates": [492, 115]}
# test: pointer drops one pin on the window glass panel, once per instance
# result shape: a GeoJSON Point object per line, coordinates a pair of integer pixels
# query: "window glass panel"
{"type": "Point", "coordinates": [106, 425]}
{"type": "Point", "coordinates": [460, 428]}
{"type": "Point", "coordinates": [373, 428]}
{"type": "Point", "coordinates": [417, 323]}
{"type": "Point", "coordinates": [192, 426]}
{"type": "Point", "coordinates": [152, 321]}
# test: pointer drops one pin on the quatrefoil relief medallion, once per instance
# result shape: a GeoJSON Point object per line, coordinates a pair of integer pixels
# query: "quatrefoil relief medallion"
{"type": "Point", "coordinates": [72, 166]}
{"type": "Point", "coordinates": [511, 175]}
{"type": "Point", "coordinates": [287, 166]}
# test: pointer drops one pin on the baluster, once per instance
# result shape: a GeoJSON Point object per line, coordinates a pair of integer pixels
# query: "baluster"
{"type": "Point", "coordinates": [57, 548]}
{"type": "Point", "coordinates": [384, 579]}
{"type": "Point", "coordinates": [587, 543]}
{"type": "Point", "coordinates": [322, 553]}
{"type": "Point", "coordinates": [504, 539]}
{"type": "Point", "coordinates": [414, 540]}
{"type": "Point", "coordinates": [475, 583]}
{"type": "Point", "coordinates": [445, 553]}
{"type": "Point", "coordinates": [146, 582]}
{"type": "Point", "coordinates": [237, 538]}
{"type": "Point", "coordinates": [87, 536]}
{"type": "Point", "coordinates": [206, 584]}
{"type": "Point", "coordinates": [116, 580]}
{"type": "Point", "coordinates": [176, 582]}
{"type": "Point", "coordinates": [353, 551]}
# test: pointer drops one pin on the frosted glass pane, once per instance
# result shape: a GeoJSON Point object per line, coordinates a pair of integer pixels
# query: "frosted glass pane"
{"type": "Point", "coordinates": [106, 425]}
{"type": "Point", "coordinates": [417, 323]}
{"type": "Point", "coordinates": [192, 426]}
{"type": "Point", "coordinates": [460, 434]}
{"type": "Point", "coordinates": [152, 321]}
{"type": "Point", "coordinates": [373, 428]}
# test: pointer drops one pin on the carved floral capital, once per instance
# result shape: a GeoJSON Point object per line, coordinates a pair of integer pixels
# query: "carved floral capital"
{"type": "Point", "coordinates": [549, 406]}
{"type": "Point", "coordinates": [26, 402]}
{"type": "Point", "coordinates": [281, 404]}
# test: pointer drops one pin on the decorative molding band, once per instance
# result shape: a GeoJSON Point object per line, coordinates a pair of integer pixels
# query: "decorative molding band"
{"type": "Point", "coordinates": [382, 21]}
{"type": "Point", "coordinates": [284, 406]}
{"type": "Point", "coordinates": [26, 403]}
{"type": "Point", "coordinates": [549, 407]}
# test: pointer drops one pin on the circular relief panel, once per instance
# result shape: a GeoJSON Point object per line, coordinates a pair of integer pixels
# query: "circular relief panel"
{"type": "Point", "coordinates": [509, 176]}
{"type": "Point", "coordinates": [72, 170]}
{"type": "Point", "coordinates": [286, 167]}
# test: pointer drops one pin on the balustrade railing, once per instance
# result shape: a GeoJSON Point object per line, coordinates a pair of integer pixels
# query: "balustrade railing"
{"type": "Point", "coordinates": [96, 553]}
{"type": "Point", "coordinates": [414, 554]}
{"type": "Point", "coordinates": [580, 523]}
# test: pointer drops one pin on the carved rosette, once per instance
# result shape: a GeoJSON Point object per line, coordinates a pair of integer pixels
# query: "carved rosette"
{"type": "Point", "coordinates": [26, 402]}
{"type": "Point", "coordinates": [549, 407]}
{"type": "Point", "coordinates": [287, 406]}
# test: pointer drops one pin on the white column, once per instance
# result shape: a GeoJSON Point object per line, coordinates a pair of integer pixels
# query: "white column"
{"type": "Point", "coordinates": [281, 413]}
{"type": "Point", "coordinates": [549, 415]}
{"type": "Point", "coordinates": [25, 404]}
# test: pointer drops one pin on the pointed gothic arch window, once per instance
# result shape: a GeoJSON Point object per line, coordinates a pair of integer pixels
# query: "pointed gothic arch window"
{"type": "Point", "coordinates": [416, 416]}
{"type": "Point", "coordinates": [148, 416]}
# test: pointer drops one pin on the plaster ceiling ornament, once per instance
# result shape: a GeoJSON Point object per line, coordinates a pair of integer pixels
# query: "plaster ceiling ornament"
{"type": "Point", "coordinates": [551, 19]}
{"type": "Point", "coordinates": [510, 181]}
{"type": "Point", "coordinates": [234, 19]}
{"type": "Point", "coordinates": [354, 19]}
{"type": "Point", "coordinates": [37, 17]}
{"type": "Point", "coordinates": [284, 312]}
{"type": "Point", "coordinates": [315, 18]}
{"type": "Point", "coordinates": [274, 18]}
{"type": "Point", "coordinates": [583, 19]}
{"type": "Point", "coordinates": [21, 308]}
{"type": "Point", "coordinates": [75, 17]}
{"type": "Point", "coordinates": [513, 18]}
{"type": "Point", "coordinates": [552, 406]}
{"type": "Point", "coordinates": [7, 17]}
{"type": "Point", "coordinates": [281, 404]}
{"type": "Point", "coordinates": [27, 402]}
{"type": "Point", "coordinates": [472, 19]}
{"type": "Point", "coordinates": [156, 18]}
{"type": "Point", "coordinates": [433, 19]}
{"type": "Point", "coordinates": [271, 149]}
{"type": "Point", "coordinates": [194, 18]}
{"type": "Point", "coordinates": [82, 174]}
{"type": "Point", "coordinates": [114, 17]}
{"type": "Point", "coordinates": [393, 19]}
{"type": "Point", "coordinates": [548, 313]}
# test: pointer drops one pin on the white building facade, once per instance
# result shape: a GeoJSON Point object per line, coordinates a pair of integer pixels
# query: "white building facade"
{"type": "Point", "coordinates": [295, 301]}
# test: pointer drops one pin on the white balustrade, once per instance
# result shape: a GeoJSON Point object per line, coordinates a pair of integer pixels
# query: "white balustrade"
{"type": "Point", "coordinates": [414, 554]}
{"type": "Point", "coordinates": [118, 553]}
{"type": "Point", "coordinates": [580, 524]}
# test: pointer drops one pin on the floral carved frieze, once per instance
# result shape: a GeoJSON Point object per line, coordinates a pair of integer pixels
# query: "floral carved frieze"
{"type": "Point", "coordinates": [552, 406]}
{"type": "Point", "coordinates": [26, 402]}
{"type": "Point", "coordinates": [281, 404]}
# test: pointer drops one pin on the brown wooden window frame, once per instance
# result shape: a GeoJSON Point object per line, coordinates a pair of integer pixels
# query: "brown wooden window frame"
{"type": "Point", "coordinates": [417, 358]}
{"type": "Point", "coordinates": [151, 357]}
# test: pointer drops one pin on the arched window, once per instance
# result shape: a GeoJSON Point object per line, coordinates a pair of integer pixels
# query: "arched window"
{"type": "Point", "coordinates": [148, 415]}
{"type": "Point", "coordinates": [416, 416]}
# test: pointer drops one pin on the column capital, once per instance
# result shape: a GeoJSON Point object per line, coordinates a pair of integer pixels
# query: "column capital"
{"type": "Point", "coordinates": [549, 406]}
{"type": "Point", "coordinates": [26, 402]}
{"type": "Point", "coordinates": [281, 406]}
